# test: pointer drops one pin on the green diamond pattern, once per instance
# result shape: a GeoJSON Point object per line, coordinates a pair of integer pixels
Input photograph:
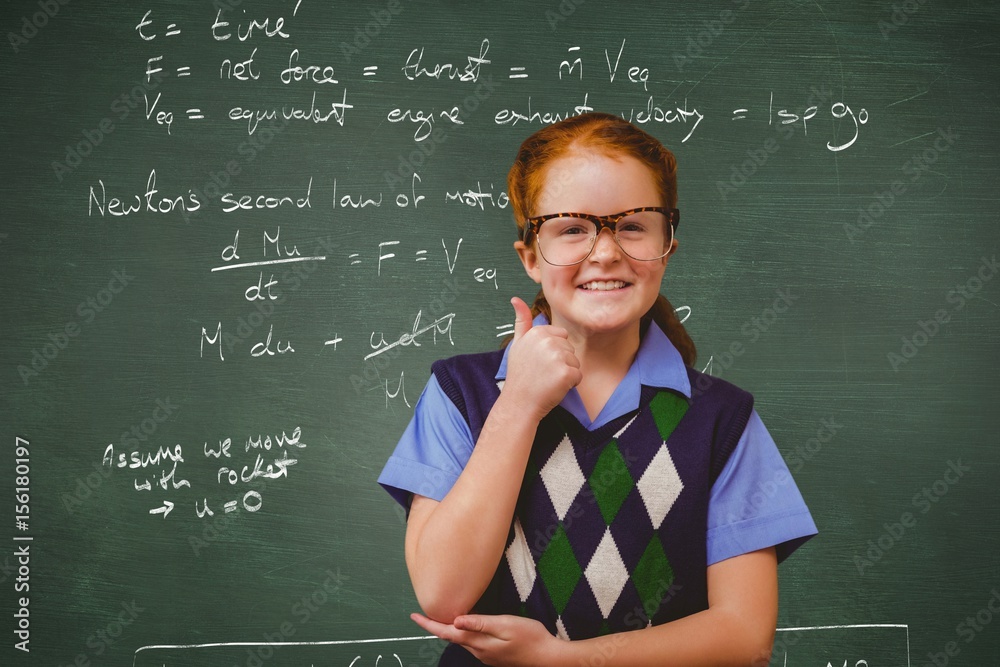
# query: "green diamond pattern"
{"type": "Point", "coordinates": [559, 569]}
{"type": "Point", "coordinates": [530, 473]}
{"type": "Point", "coordinates": [610, 481]}
{"type": "Point", "coordinates": [668, 408]}
{"type": "Point", "coordinates": [653, 576]}
{"type": "Point", "coordinates": [605, 629]}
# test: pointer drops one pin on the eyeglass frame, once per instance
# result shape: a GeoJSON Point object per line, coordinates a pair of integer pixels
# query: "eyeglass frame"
{"type": "Point", "coordinates": [532, 225]}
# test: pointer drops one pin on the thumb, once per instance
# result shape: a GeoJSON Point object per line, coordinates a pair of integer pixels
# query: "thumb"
{"type": "Point", "coordinates": [470, 622]}
{"type": "Point", "coordinates": [522, 317]}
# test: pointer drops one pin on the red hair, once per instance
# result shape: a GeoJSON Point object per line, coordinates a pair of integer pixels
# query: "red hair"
{"type": "Point", "coordinates": [615, 137]}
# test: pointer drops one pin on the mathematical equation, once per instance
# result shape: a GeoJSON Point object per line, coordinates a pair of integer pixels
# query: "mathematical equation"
{"type": "Point", "coordinates": [331, 108]}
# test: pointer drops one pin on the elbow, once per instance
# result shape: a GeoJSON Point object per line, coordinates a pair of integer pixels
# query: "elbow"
{"type": "Point", "coordinates": [751, 641]}
{"type": "Point", "coordinates": [439, 600]}
{"type": "Point", "coordinates": [758, 644]}
{"type": "Point", "coordinates": [760, 656]}
{"type": "Point", "coordinates": [441, 608]}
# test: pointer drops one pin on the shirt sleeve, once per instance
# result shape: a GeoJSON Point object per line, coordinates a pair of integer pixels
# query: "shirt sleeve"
{"type": "Point", "coordinates": [432, 451]}
{"type": "Point", "coordinates": [755, 503]}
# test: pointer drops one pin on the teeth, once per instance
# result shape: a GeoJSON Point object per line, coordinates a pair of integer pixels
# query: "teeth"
{"type": "Point", "coordinates": [604, 285]}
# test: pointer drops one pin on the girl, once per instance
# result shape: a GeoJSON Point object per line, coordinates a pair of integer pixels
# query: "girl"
{"type": "Point", "coordinates": [584, 493]}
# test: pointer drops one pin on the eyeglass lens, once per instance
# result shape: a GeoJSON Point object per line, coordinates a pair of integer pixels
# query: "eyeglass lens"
{"type": "Point", "coordinates": [645, 235]}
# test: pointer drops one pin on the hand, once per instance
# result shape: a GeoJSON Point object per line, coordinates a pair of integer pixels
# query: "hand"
{"type": "Point", "coordinates": [508, 641]}
{"type": "Point", "coordinates": [542, 366]}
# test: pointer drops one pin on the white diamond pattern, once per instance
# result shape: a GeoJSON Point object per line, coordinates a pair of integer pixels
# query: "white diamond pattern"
{"type": "Point", "coordinates": [606, 573]}
{"type": "Point", "coordinates": [561, 629]}
{"type": "Point", "coordinates": [624, 428]}
{"type": "Point", "coordinates": [660, 485]}
{"type": "Point", "coordinates": [522, 565]}
{"type": "Point", "coordinates": [562, 477]}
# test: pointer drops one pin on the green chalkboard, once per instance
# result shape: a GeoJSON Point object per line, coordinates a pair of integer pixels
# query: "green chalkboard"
{"type": "Point", "coordinates": [235, 234]}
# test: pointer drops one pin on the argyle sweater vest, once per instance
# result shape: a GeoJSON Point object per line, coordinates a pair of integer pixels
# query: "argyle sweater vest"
{"type": "Point", "coordinates": [609, 530]}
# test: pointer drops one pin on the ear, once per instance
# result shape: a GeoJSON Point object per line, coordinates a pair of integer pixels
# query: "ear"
{"type": "Point", "coordinates": [673, 249]}
{"type": "Point", "coordinates": [530, 261]}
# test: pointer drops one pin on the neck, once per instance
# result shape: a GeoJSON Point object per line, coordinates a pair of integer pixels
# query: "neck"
{"type": "Point", "coordinates": [606, 352]}
{"type": "Point", "coordinates": [604, 361]}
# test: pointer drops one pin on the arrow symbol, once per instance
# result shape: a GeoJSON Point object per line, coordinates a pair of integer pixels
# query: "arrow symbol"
{"type": "Point", "coordinates": [165, 510]}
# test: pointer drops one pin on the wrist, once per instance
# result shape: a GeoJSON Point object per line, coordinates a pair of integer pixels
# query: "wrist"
{"type": "Point", "coordinates": [514, 410]}
{"type": "Point", "coordinates": [565, 653]}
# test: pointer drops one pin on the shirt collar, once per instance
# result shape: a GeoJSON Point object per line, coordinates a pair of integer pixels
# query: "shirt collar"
{"type": "Point", "coordinates": [657, 362]}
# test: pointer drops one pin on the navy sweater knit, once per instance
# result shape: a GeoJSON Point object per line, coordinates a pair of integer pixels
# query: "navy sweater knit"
{"type": "Point", "coordinates": [609, 530]}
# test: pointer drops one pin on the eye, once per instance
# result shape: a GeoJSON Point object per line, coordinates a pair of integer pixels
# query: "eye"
{"type": "Point", "coordinates": [569, 227]}
{"type": "Point", "coordinates": [633, 225]}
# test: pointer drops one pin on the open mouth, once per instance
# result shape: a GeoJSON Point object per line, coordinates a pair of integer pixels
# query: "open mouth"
{"type": "Point", "coordinates": [604, 285]}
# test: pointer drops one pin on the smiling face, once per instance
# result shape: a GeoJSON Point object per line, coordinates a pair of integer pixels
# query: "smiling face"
{"type": "Point", "coordinates": [609, 291]}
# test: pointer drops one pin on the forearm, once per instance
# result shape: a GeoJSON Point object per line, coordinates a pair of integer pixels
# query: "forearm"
{"type": "Point", "coordinates": [714, 637]}
{"type": "Point", "coordinates": [463, 539]}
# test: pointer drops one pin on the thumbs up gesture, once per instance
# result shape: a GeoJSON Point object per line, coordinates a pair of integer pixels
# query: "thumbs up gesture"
{"type": "Point", "coordinates": [522, 318]}
{"type": "Point", "coordinates": [542, 365]}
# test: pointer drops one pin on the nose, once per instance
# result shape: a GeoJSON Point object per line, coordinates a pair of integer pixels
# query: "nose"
{"type": "Point", "coordinates": [606, 248]}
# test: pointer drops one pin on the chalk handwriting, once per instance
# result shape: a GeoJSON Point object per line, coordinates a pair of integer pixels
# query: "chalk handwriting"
{"type": "Point", "coordinates": [146, 202]}
{"type": "Point", "coordinates": [312, 73]}
{"type": "Point", "coordinates": [163, 465]}
{"type": "Point", "coordinates": [244, 32]}
{"type": "Point", "coordinates": [400, 389]}
{"type": "Point", "coordinates": [513, 117]}
{"type": "Point", "coordinates": [442, 326]}
{"type": "Point", "coordinates": [414, 68]}
{"type": "Point", "coordinates": [337, 111]}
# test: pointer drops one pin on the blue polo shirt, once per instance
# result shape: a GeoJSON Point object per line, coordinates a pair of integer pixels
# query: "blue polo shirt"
{"type": "Point", "coordinates": [754, 503]}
